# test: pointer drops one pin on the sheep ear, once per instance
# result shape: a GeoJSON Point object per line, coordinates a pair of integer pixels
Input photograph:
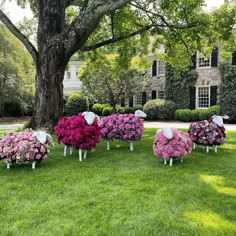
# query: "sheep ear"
{"type": "Point", "coordinates": [225, 117]}
{"type": "Point", "coordinates": [140, 114]}
{"type": "Point", "coordinates": [89, 117]}
{"type": "Point", "coordinates": [41, 136]}
{"type": "Point", "coordinates": [218, 120]}
{"type": "Point", "coordinates": [167, 132]}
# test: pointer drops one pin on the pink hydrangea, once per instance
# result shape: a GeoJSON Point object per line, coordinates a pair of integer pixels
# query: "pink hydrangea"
{"type": "Point", "coordinates": [23, 146]}
{"type": "Point", "coordinates": [207, 132]}
{"type": "Point", "coordinates": [125, 127]}
{"type": "Point", "coordinates": [179, 146]}
{"type": "Point", "coordinates": [74, 131]}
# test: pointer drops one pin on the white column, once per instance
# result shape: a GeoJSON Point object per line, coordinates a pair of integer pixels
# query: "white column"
{"type": "Point", "coordinates": [216, 149]}
{"type": "Point", "coordinates": [165, 162]}
{"type": "Point", "coordinates": [80, 154]}
{"type": "Point", "coordinates": [33, 165]}
{"type": "Point", "coordinates": [171, 161]}
{"type": "Point", "coordinates": [85, 154]}
{"type": "Point", "coordinates": [131, 146]}
{"type": "Point", "coordinates": [108, 145]}
{"type": "Point", "coordinates": [194, 146]}
{"type": "Point", "coordinates": [8, 165]}
{"type": "Point", "coordinates": [207, 149]}
{"type": "Point", "coordinates": [65, 149]}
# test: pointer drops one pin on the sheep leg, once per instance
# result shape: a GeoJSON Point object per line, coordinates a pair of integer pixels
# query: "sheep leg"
{"type": "Point", "coordinates": [108, 145]}
{"type": "Point", "coordinates": [65, 149]}
{"type": "Point", "coordinates": [8, 165]}
{"type": "Point", "coordinates": [71, 150]}
{"type": "Point", "coordinates": [194, 146]}
{"type": "Point", "coordinates": [85, 154]}
{"type": "Point", "coordinates": [131, 145]}
{"type": "Point", "coordinates": [181, 159]}
{"type": "Point", "coordinates": [171, 161]}
{"type": "Point", "coordinates": [215, 149]}
{"type": "Point", "coordinates": [80, 154]}
{"type": "Point", "coordinates": [33, 165]}
{"type": "Point", "coordinates": [165, 162]}
{"type": "Point", "coordinates": [207, 149]}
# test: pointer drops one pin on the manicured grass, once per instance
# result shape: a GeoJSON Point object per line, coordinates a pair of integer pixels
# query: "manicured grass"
{"type": "Point", "coordinates": [122, 193]}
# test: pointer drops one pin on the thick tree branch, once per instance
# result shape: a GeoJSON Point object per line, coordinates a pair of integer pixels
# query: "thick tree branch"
{"type": "Point", "coordinates": [87, 21]}
{"type": "Point", "coordinates": [117, 39]}
{"type": "Point", "coordinates": [29, 46]}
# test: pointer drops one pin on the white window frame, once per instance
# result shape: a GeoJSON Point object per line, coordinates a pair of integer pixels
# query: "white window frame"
{"type": "Point", "coordinates": [158, 68]}
{"type": "Point", "coordinates": [68, 74]}
{"type": "Point", "coordinates": [197, 98]}
{"type": "Point", "coordinates": [158, 94]}
{"type": "Point", "coordinates": [202, 67]}
{"type": "Point", "coordinates": [135, 98]}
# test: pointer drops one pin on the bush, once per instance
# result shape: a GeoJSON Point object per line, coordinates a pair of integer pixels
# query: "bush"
{"type": "Point", "coordinates": [76, 103]}
{"type": "Point", "coordinates": [215, 110]}
{"type": "Point", "coordinates": [97, 108]}
{"type": "Point", "coordinates": [229, 105]}
{"type": "Point", "coordinates": [107, 111]}
{"type": "Point", "coordinates": [159, 109]}
{"type": "Point", "coordinates": [204, 115]}
{"type": "Point", "coordinates": [129, 110]}
{"type": "Point", "coordinates": [185, 115]}
{"type": "Point", "coordinates": [195, 115]}
{"type": "Point", "coordinates": [137, 108]}
{"type": "Point", "coordinates": [177, 114]}
{"type": "Point", "coordinates": [120, 110]}
{"type": "Point", "coordinates": [13, 109]}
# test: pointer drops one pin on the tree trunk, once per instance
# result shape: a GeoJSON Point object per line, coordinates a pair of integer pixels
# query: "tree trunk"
{"type": "Point", "coordinates": [49, 95]}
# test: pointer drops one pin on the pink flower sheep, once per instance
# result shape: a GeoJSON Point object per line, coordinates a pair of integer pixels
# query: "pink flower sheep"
{"type": "Point", "coordinates": [25, 146]}
{"type": "Point", "coordinates": [171, 144]}
{"type": "Point", "coordinates": [208, 132]}
{"type": "Point", "coordinates": [125, 127]}
{"type": "Point", "coordinates": [79, 132]}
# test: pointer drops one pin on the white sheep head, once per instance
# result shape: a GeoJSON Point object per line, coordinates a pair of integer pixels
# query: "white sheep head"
{"type": "Point", "coordinates": [41, 136]}
{"type": "Point", "coordinates": [219, 120]}
{"type": "Point", "coordinates": [167, 132]}
{"type": "Point", "coordinates": [140, 114]}
{"type": "Point", "coordinates": [89, 117]}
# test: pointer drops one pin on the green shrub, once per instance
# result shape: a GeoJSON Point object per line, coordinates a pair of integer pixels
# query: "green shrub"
{"type": "Point", "coordinates": [195, 115]}
{"type": "Point", "coordinates": [204, 115]}
{"type": "Point", "coordinates": [159, 109]}
{"type": "Point", "coordinates": [97, 108]}
{"type": "Point", "coordinates": [107, 111]}
{"type": "Point", "coordinates": [229, 105]}
{"type": "Point", "coordinates": [137, 108]}
{"type": "Point", "coordinates": [185, 115]}
{"type": "Point", "coordinates": [129, 110]}
{"type": "Point", "coordinates": [215, 110]}
{"type": "Point", "coordinates": [76, 103]}
{"type": "Point", "coordinates": [120, 110]}
{"type": "Point", "coordinates": [177, 114]}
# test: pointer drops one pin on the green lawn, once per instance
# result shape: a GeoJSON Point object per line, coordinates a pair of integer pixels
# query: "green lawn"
{"type": "Point", "coordinates": [122, 193]}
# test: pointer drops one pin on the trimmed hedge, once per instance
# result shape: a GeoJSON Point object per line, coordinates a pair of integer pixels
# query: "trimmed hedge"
{"type": "Point", "coordinates": [185, 115]}
{"type": "Point", "coordinates": [159, 109]}
{"type": "Point", "coordinates": [107, 111]}
{"type": "Point", "coordinates": [97, 108]}
{"type": "Point", "coordinates": [76, 103]}
{"type": "Point", "coordinates": [195, 115]}
{"type": "Point", "coordinates": [229, 106]}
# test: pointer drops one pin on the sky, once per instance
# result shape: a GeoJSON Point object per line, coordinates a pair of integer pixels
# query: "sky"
{"type": "Point", "coordinates": [16, 13]}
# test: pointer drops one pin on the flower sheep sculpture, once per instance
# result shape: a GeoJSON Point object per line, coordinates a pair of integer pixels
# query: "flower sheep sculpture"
{"type": "Point", "coordinates": [124, 127]}
{"type": "Point", "coordinates": [208, 132]}
{"type": "Point", "coordinates": [78, 132]}
{"type": "Point", "coordinates": [171, 144]}
{"type": "Point", "coordinates": [25, 146]}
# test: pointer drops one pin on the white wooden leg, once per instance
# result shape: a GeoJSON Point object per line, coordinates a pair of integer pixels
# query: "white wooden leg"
{"type": "Point", "coordinates": [216, 149]}
{"type": "Point", "coordinates": [207, 149]}
{"type": "Point", "coordinates": [165, 162]}
{"type": "Point", "coordinates": [108, 145]}
{"type": "Point", "coordinates": [65, 149]}
{"type": "Point", "coordinates": [171, 161]}
{"type": "Point", "coordinates": [181, 159]}
{"type": "Point", "coordinates": [131, 145]}
{"type": "Point", "coordinates": [80, 154]}
{"type": "Point", "coordinates": [194, 146]}
{"type": "Point", "coordinates": [85, 154]}
{"type": "Point", "coordinates": [71, 150]}
{"type": "Point", "coordinates": [8, 165]}
{"type": "Point", "coordinates": [33, 165]}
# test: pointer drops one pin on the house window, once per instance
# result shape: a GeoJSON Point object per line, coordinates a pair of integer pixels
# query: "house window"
{"type": "Point", "coordinates": [161, 94]}
{"type": "Point", "coordinates": [138, 100]}
{"type": "Point", "coordinates": [68, 76]}
{"type": "Point", "coordinates": [202, 61]}
{"type": "Point", "coordinates": [161, 68]}
{"type": "Point", "coordinates": [202, 97]}
{"type": "Point", "coordinates": [154, 68]}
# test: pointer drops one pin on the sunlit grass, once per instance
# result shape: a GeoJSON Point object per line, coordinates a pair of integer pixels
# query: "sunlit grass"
{"type": "Point", "coordinates": [119, 192]}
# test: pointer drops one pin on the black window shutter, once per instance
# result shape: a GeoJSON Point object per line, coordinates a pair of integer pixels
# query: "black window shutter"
{"type": "Point", "coordinates": [154, 68]}
{"type": "Point", "coordinates": [214, 57]}
{"type": "Point", "coordinates": [213, 99]}
{"type": "Point", "coordinates": [144, 97]}
{"type": "Point", "coordinates": [194, 61]}
{"type": "Point", "coordinates": [234, 58]}
{"type": "Point", "coordinates": [122, 102]}
{"type": "Point", "coordinates": [154, 94]}
{"type": "Point", "coordinates": [131, 102]}
{"type": "Point", "coordinates": [192, 104]}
